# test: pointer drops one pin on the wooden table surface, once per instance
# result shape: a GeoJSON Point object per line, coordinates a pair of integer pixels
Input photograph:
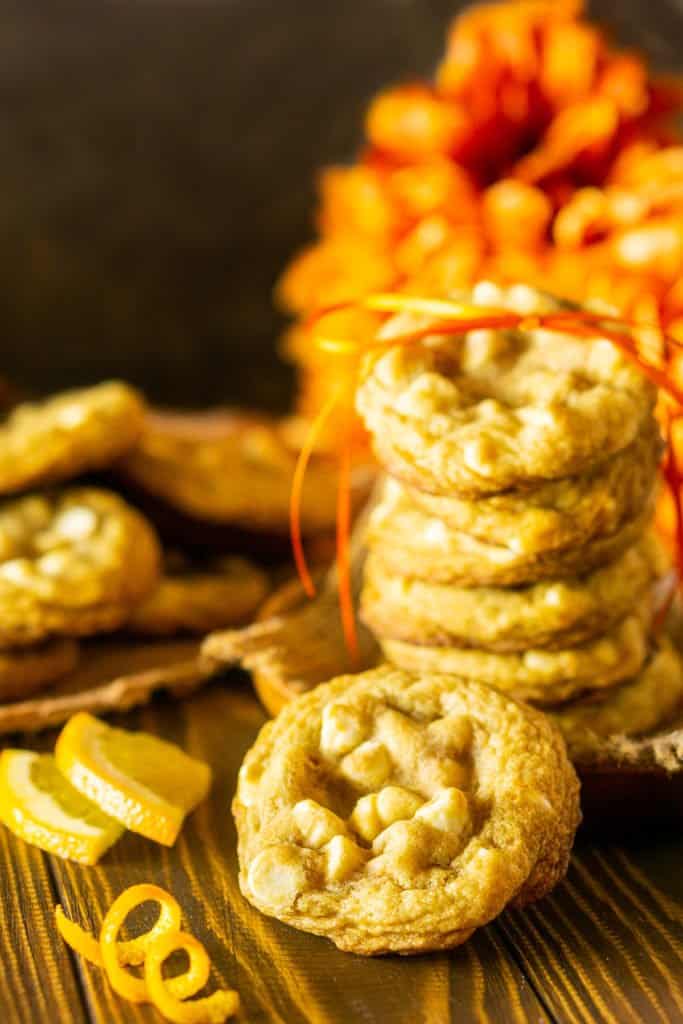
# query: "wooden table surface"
{"type": "Point", "coordinates": [607, 945]}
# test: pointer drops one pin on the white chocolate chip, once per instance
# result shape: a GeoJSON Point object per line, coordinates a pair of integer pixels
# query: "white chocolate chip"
{"type": "Point", "coordinates": [368, 766]}
{"type": "Point", "coordinates": [447, 811]}
{"type": "Point", "coordinates": [277, 875]}
{"type": "Point", "coordinates": [76, 523]}
{"type": "Point", "coordinates": [395, 803]}
{"type": "Point", "coordinates": [317, 824]}
{"type": "Point", "coordinates": [479, 455]}
{"type": "Point", "coordinates": [453, 733]}
{"type": "Point", "coordinates": [343, 728]}
{"type": "Point", "coordinates": [486, 293]}
{"type": "Point", "coordinates": [342, 858]}
{"type": "Point", "coordinates": [248, 780]}
{"type": "Point", "coordinates": [376, 811]}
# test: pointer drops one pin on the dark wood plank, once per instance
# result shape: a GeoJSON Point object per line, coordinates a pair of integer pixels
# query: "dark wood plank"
{"type": "Point", "coordinates": [607, 945]}
{"type": "Point", "coordinates": [487, 984]}
{"type": "Point", "coordinates": [283, 976]}
{"type": "Point", "coordinates": [39, 981]}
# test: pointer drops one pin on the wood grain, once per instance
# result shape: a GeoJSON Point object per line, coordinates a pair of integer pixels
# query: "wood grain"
{"type": "Point", "coordinates": [39, 979]}
{"type": "Point", "coordinates": [607, 944]}
{"type": "Point", "coordinates": [283, 976]}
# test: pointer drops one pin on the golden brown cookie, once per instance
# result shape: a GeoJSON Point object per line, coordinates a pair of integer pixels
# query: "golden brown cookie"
{"type": "Point", "coordinates": [46, 442]}
{"type": "Point", "coordinates": [72, 563]}
{"type": "Point", "coordinates": [491, 410]}
{"type": "Point", "coordinates": [413, 544]}
{"type": "Point", "coordinates": [393, 812]}
{"type": "Point", "coordinates": [562, 513]}
{"type": "Point", "coordinates": [634, 708]}
{"type": "Point", "coordinates": [25, 671]}
{"type": "Point", "coordinates": [198, 598]}
{"type": "Point", "coordinates": [550, 615]}
{"type": "Point", "coordinates": [234, 469]}
{"type": "Point", "coordinates": [545, 677]}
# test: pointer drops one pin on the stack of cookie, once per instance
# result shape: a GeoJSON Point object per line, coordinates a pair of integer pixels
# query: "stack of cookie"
{"type": "Point", "coordinates": [512, 544]}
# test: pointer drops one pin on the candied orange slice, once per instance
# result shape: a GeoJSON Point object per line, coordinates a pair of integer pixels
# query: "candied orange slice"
{"type": "Point", "coordinates": [41, 806]}
{"type": "Point", "coordinates": [143, 782]}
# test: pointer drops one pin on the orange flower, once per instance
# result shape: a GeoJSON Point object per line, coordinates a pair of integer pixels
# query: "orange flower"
{"type": "Point", "coordinates": [540, 152]}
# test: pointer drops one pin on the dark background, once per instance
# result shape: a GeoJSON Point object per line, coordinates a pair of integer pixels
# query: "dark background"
{"type": "Point", "coordinates": [156, 168]}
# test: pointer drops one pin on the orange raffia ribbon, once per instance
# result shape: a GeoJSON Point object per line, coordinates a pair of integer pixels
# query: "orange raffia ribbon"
{"type": "Point", "coordinates": [295, 531]}
{"type": "Point", "coordinates": [446, 317]}
{"type": "Point", "coordinates": [673, 475]}
{"type": "Point", "coordinates": [346, 608]}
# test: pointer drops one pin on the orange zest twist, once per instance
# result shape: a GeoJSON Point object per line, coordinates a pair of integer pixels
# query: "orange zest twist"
{"type": "Point", "coordinates": [116, 955]}
{"type": "Point", "coordinates": [446, 317]}
{"type": "Point", "coordinates": [151, 949]}
{"type": "Point", "coordinates": [220, 1004]}
{"type": "Point", "coordinates": [78, 939]}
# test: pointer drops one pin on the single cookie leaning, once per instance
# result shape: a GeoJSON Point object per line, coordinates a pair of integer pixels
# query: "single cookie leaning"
{"type": "Point", "coordinates": [545, 677]}
{"type": "Point", "coordinates": [72, 433]}
{"type": "Point", "coordinates": [492, 410]}
{"type": "Point", "coordinates": [552, 615]}
{"type": "Point", "coordinates": [72, 563]}
{"type": "Point", "coordinates": [398, 813]}
{"type": "Point", "coordinates": [559, 514]}
{"type": "Point", "coordinates": [197, 599]}
{"type": "Point", "coordinates": [634, 708]}
{"type": "Point", "coordinates": [411, 543]}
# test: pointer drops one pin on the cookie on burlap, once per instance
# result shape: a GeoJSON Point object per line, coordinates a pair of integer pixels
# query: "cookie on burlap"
{"type": "Point", "coordinates": [394, 812]}
{"type": "Point", "coordinates": [634, 708]}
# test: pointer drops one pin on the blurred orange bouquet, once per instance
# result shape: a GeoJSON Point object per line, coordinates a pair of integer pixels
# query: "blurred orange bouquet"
{"type": "Point", "coordinates": [540, 152]}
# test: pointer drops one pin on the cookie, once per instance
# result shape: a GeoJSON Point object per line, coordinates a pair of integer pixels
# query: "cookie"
{"type": "Point", "coordinates": [197, 599]}
{"type": "Point", "coordinates": [25, 671]}
{"type": "Point", "coordinates": [394, 812]}
{"type": "Point", "coordinates": [550, 615]}
{"type": "Point", "coordinates": [562, 513]}
{"type": "Point", "coordinates": [72, 563]}
{"type": "Point", "coordinates": [413, 544]}
{"type": "Point", "coordinates": [491, 410]}
{"type": "Point", "coordinates": [234, 469]}
{"type": "Point", "coordinates": [634, 708]}
{"type": "Point", "coordinates": [544, 677]}
{"type": "Point", "coordinates": [74, 432]}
